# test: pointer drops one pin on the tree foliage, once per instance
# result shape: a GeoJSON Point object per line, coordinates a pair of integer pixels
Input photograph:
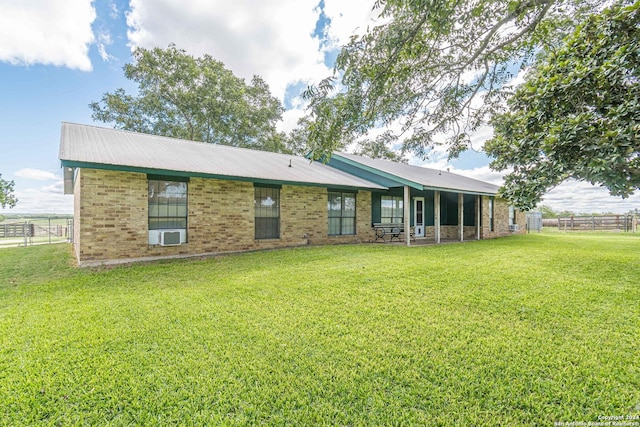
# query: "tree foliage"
{"type": "Point", "coordinates": [433, 68]}
{"type": "Point", "coordinates": [7, 198]}
{"type": "Point", "coordinates": [193, 98]}
{"type": "Point", "coordinates": [578, 113]}
{"type": "Point", "coordinates": [378, 148]}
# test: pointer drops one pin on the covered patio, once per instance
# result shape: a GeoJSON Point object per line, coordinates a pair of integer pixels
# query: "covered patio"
{"type": "Point", "coordinates": [439, 206]}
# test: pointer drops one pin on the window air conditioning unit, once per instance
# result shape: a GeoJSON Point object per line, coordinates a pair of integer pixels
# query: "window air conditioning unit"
{"type": "Point", "coordinates": [169, 238]}
{"type": "Point", "coordinates": [514, 227]}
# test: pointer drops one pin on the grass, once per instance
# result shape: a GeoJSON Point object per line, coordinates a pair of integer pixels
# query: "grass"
{"type": "Point", "coordinates": [528, 330]}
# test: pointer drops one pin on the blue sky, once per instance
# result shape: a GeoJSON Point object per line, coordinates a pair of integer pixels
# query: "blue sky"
{"type": "Point", "coordinates": [57, 57]}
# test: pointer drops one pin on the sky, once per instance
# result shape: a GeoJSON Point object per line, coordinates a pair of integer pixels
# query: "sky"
{"type": "Point", "coordinates": [57, 57]}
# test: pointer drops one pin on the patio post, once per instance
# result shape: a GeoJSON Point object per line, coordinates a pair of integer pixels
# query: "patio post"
{"type": "Point", "coordinates": [461, 215]}
{"type": "Point", "coordinates": [478, 202]}
{"type": "Point", "coordinates": [436, 215]}
{"type": "Point", "coordinates": [407, 212]}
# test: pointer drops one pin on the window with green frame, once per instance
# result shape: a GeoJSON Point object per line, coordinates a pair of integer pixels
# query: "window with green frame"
{"type": "Point", "coordinates": [167, 204]}
{"type": "Point", "coordinates": [342, 213]}
{"type": "Point", "coordinates": [391, 209]}
{"type": "Point", "coordinates": [267, 212]}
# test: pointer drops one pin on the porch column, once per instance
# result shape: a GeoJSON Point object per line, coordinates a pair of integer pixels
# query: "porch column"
{"type": "Point", "coordinates": [478, 202]}
{"type": "Point", "coordinates": [407, 213]}
{"type": "Point", "coordinates": [461, 215]}
{"type": "Point", "coordinates": [436, 215]}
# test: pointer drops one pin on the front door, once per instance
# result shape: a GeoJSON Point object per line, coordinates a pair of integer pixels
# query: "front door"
{"type": "Point", "coordinates": [418, 216]}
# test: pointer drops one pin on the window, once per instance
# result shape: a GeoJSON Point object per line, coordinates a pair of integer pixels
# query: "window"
{"type": "Point", "coordinates": [512, 215]}
{"type": "Point", "coordinates": [167, 204]}
{"type": "Point", "coordinates": [491, 203]}
{"type": "Point", "coordinates": [391, 209]}
{"type": "Point", "coordinates": [342, 213]}
{"type": "Point", "coordinates": [267, 208]}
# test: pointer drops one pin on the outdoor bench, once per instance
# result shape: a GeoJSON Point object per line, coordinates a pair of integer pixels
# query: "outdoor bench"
{"type": "Point", "coordinates": [390, 229]}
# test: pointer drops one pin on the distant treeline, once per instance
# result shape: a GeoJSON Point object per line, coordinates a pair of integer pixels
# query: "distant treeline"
{"type": "Point", "coordinates": [33, 216]}
{"type": "Point", "coordinates": [27, 217]}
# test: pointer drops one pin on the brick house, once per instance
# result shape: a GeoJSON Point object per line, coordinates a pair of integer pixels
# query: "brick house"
{"type": "Point", "coordinates": [144, 197]}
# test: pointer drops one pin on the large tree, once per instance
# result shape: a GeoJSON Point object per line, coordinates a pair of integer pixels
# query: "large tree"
{"type": "Point", "coordinates": [193, 98]}
{"type": "Point", "coordinates": [578, 113]}
{"type": "Point", "coordinates": [432, 68]}
{"type": "Point", "coordinates": [7, 198]}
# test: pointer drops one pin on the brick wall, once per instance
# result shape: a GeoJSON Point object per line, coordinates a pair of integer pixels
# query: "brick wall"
{"type": "Point", "coordinates": [500, 219]}
{"type": "Point", "coordinates": [111, 214]}
{"type": "Point", "coordinates": [111, 210]}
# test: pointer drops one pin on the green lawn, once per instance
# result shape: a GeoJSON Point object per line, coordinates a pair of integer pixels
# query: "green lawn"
{"type": "Point", "coordinates": [528, 330]}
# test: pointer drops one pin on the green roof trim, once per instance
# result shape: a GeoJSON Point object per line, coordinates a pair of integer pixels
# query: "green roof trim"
{"type": "Point", "coordinates": [417, 177]}
{"type": "Point", "coordinates": [375, 171]}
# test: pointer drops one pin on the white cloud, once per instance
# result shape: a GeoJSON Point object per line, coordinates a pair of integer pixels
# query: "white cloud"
{"type": "Point", "coordinates": [582, 197]}
{"type": "Point", "coordinates": [290, 119]}
{"type": "Point", "coordinates": [349, 18]}
{"type": "Point", "coordinates": [483, 173]}
{"type": "Point", "coordinates": [57, 188]}
{"type": "Point", "coordinates": [103, 41]}
{"type": "Point", "coordinates": [46, 32]}
{"type": "Point", "coordinates": [46, 200]}
{"type": "Point", "coordinates": [113, 10]}
{"type": "Point", "coordinates": [36, 174]}
{"type": "Point", "coordinates": [271, 39]}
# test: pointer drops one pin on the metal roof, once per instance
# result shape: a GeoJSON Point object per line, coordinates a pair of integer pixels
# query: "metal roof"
{"type": "Point", "coordinates": [420, 177]}
{"type": "Point", "coordinates": [102, 148]}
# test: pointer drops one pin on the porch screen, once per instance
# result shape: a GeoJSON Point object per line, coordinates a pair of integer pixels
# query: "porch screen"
{"type": "Point", "coordinates": [392, 210]}
{"type": "Point", "coordinates": [167, 205]}
{"type": "Point", "coordinates": [267, 212]}
{"type": "Point", "coordinates": [342, 213]}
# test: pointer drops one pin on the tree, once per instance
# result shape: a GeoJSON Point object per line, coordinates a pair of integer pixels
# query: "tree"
{"type": "Point", "coordinates": [433, 68]}
{"type": "Point", "coordinates": [193, 98]}
{"type": "Point", "coordinates": [378, 148]}
{"type": "Point", "coordinates": [297, 142]}
{"type": "Point", "coordinates": [578, 113]}
{"type": "Point", "coordinates": [7, 198]}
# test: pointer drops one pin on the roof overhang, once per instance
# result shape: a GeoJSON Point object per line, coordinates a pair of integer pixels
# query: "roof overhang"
{"type": "Point", "coordinates": [71, 165]}
{"type": "Point", "coordinates": [399, 180]}
{"type": "Point", "coordinates": [392, 180]}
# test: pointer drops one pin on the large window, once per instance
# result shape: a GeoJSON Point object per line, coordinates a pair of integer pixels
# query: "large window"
{"type": "Point", "coordinates": [512, 215]}
{"type": "Point", "coordinates": [167, 204]}
{"type": "Point", "coordinates": [267, 208]}
{"type": "Point", "coordinates": [391, 209]}
{"type": "Point", "coordinates": [342, 213]}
